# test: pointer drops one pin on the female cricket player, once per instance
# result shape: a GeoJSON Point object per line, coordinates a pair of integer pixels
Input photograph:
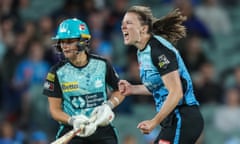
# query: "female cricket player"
{"type": "Point", "coordinates": [163, 74]}
{"type": "Point", "coordinates": [77, 87]}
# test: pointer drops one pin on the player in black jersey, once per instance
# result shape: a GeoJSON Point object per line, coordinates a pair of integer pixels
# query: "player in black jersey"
{"type": "Point", "coordinates": [77, 87]}
{"type": "Point", "coordinates": [163, 74]}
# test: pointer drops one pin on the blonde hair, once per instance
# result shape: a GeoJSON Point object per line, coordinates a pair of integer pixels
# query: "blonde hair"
{"type": "Point", "coordinates": [169, 27]}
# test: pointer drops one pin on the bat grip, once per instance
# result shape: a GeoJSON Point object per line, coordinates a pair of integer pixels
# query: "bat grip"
{"type": "Point", "coordinates": [69, 135]}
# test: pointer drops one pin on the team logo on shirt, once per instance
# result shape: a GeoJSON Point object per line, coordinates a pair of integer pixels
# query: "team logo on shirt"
{"type": "Point", "coordinates": [51, 77]}
{"type": "Point", "coordinates": [98, 83]}
{"type": "Point", "coordinates": [163, 61]}
{"type": "Point", "coordinates": [49, 86]}
{"type": "Point", "coordinates": [70, 86]}
{"type": "Point", "coordinates": [63, 27]}
{"type": "Point", "coordinates": [81, 27]}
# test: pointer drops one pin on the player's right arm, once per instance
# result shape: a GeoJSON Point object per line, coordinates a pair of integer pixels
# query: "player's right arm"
{"type": "Point", "coordinates": [52, 89]}
{"type": "Point", "coordinates": [128, 89]}
{"type": "Point", "coordinates": [56, 111]}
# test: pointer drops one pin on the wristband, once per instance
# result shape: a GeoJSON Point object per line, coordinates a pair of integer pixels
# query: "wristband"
{"type": "Point", "coordinates": [109, 103]}
{"type": "Point", "coordinates": [70, 120]}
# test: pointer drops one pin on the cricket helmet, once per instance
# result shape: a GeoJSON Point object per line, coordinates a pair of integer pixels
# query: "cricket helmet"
{"type": "Point", "coordinates": [72, 28]}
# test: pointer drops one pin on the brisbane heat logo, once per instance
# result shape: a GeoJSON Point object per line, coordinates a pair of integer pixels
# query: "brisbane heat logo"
{"type": "Point", "coordinates": [82, 27]}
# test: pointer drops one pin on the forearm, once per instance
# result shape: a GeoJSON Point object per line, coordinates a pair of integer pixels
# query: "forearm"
{"type": "Point", "coordinates": [173, 84]}
{"type": "Point", "coordinates": [168, 106]}
{"type": "Point", "coordinates": [140, 90]}
{"type": "Point", "coordinates": [60, 116]}
{"type": "Point", "coordinates": [116, 98]}
{"type": "Point", "coordinates": [55, 108]}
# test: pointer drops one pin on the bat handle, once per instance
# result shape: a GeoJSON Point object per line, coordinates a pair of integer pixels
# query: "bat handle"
{"type": "Point", "coordinates": [68, 136]}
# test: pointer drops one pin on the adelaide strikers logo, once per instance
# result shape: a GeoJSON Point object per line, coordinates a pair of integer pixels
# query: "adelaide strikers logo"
{"type": "Point", "coordinates": [163, 61]}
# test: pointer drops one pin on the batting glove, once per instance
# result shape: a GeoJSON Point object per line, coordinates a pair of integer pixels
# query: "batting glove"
{"type": "Point", "coordinates": [77, 121]}
{"type": "Point", "coordinates": [104, 115]}
{"type": "Point", "coordinates": [88, 130]}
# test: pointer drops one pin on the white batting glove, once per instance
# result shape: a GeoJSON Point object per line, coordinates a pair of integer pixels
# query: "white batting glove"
{"type": "Point", "coordinates": [88, 130]}
{"type": "Point", "coordinates": [77, 121]}
{"type": "Point", "coordinates": [104, 115]}
{"type": "Point", "coordinates": [83, 122]}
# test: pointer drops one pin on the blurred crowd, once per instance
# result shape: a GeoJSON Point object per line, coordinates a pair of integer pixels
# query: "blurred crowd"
{"type": "Point", "coordinates": [210, 52]}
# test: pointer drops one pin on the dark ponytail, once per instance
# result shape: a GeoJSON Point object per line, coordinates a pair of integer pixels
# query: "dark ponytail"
{"type": "Point", "coordinates": [170, 26]}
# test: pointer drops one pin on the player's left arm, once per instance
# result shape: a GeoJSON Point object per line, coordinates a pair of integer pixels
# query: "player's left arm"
{"type": "Point", "coordinates": [116, 98]}
{"type": "Point", "coordinates": [173, 84]}
{"type": "Point", "coordinates": [166, 63]}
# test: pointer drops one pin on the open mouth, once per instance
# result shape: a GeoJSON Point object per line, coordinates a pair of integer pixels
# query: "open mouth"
{"type": "Point", "coordinates": [126, 35]}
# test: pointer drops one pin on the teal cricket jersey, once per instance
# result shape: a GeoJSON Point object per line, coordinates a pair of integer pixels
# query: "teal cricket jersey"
{"type": "Point", "coordinates": [158, 58]}
{"type": "Point", "coordinates": [81, 88]}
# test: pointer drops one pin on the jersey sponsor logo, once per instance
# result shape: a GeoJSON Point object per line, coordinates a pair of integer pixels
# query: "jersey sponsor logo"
{"type": "Point", "coordinates": [51, 77]}
{"type": "Point", "coordinates": [161, 141]}
{"type": "Point", "coordinates": [49, 86]}
{"type": "Point", "coordinates": [78, 101]}
{"type": "Point", "coordinates": [87, 101]}
{"type": "Point", "coordinates": [163, 61]}
{"type": "Point", "coordinates": [70, 86]}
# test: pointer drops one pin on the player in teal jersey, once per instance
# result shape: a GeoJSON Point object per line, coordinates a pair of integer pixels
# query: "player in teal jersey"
{"type": "Point", "coordinates": [163, 74]}
{"type": "Point", "coordinates": [77, 87]}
